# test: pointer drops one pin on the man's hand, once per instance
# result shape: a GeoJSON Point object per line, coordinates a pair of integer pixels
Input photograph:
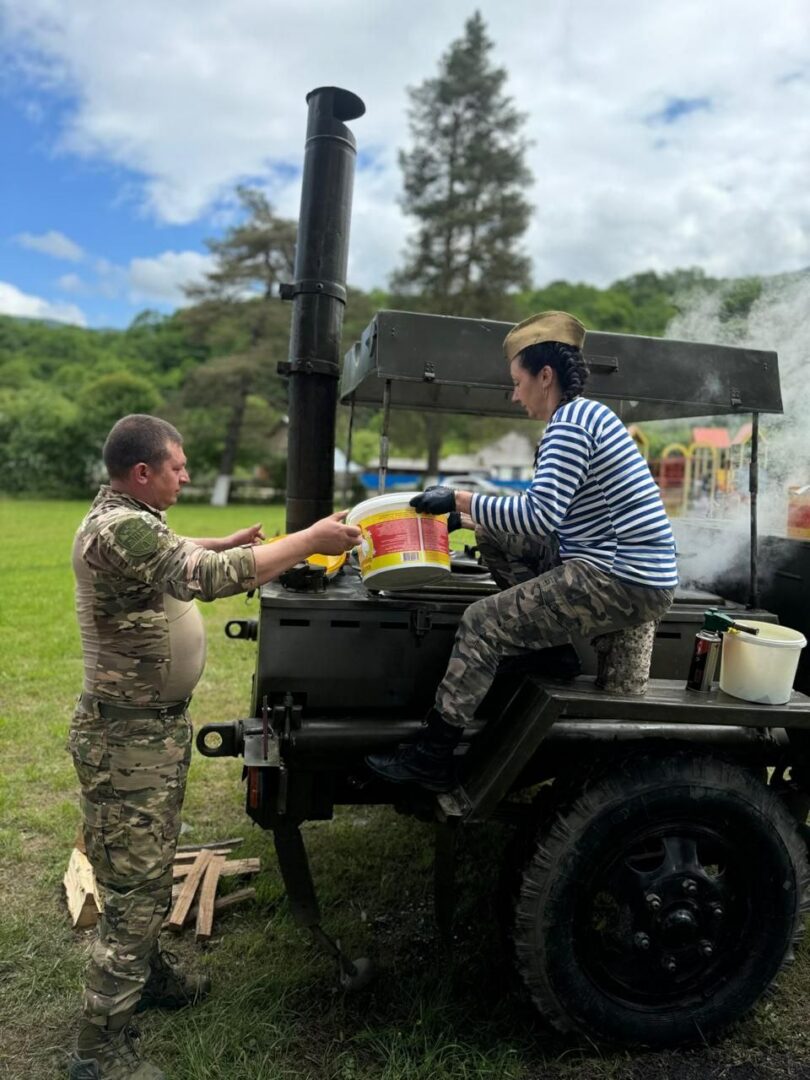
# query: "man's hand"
{"type": "Point", "coordinates": [330, 536]}
{"type": "Point", "coordinates": [244, 537]}
{"type": "Point", "coordinates": [253, 534]}
{"type": "Point", "coordinates": [435, 500]}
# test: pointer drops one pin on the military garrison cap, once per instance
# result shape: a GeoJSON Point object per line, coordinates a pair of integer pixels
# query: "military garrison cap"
{"type": "Point", "coordinates": [545, 326]}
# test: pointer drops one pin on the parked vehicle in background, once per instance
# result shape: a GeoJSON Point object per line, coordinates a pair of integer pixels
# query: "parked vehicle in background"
{"type": "Point", "coordinates": [478, 484]}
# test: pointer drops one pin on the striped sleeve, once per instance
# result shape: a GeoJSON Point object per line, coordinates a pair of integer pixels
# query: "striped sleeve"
{"type": "Point", "coordinates": [563, 462]}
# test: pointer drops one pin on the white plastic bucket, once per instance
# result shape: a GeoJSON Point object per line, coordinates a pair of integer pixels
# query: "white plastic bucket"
{"type": "Point", "coordinates": [400, 548]}
{"type": "Point", "coordinates": [761, 668]}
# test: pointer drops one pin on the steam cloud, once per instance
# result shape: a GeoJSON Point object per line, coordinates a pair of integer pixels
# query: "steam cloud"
{"type": "Point", "coordinates": [779, 319]}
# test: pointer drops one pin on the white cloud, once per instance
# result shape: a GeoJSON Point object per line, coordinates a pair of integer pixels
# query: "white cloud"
{"type": "Point", "coordinates": [195, 95]}
{"type": "Point", "coordinates": [157, 279]}
{"type": "Point", "coordinates": [111, 280]}
{"type": "Point", "coordinates": [52, 243]}
{"type": "Point", "coordinates": [15, 302]}
{"type": "Point", "coordinates": [161, 278]}
{"type": "Point", "coordinates": [71, 283]}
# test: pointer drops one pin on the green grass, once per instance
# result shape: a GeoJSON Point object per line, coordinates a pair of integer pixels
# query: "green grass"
{"type": "Point", "coordinates": [274, 1012]}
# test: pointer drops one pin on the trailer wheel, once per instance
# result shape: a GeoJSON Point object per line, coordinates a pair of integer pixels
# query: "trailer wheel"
{"type": "Point", "coordinates": [660, 904]}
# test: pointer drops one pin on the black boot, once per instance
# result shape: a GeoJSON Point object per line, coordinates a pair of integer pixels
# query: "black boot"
{"type": "Point", "coordinates": [169, 985]}
{"type": "Point", "coordinates": [428, 762]}
{"type": "Point", "coordinates": [110, 1053]}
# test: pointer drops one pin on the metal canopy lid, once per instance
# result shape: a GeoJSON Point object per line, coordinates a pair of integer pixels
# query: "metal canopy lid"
{"type": "Point", "coordinates": [448, 364]}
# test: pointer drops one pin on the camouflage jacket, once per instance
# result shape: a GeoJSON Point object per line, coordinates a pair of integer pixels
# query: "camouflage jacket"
{"type": "Point", "coordinates": [142, 636]}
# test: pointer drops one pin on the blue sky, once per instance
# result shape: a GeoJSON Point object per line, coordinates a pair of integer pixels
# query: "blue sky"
{"type": "Point", "coordinates": [91, 203]}
{"type": "Point", "coordinates": [660, 135]}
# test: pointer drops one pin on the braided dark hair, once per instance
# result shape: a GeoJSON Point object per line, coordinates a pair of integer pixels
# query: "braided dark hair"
{"type": "Point", "coordinates": [564, 359]}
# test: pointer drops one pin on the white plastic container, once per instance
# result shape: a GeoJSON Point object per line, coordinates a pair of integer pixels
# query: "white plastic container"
{"type": "Point", "coordinates": [400, 548]}
{"type": "Point", "coordinates": [761, 668]}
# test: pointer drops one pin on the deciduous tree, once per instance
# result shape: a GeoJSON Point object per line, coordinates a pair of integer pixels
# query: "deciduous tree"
{"type": "Point", "coordinates": [250, 260]}
{"type": "Point", "coordinates": [252, 257]}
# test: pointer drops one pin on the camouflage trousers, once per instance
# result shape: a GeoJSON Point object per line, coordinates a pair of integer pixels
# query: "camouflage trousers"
{"type": "Point", "coordinates": [133, 776]}
{"type": "Point", "coordinates": [544, 602]}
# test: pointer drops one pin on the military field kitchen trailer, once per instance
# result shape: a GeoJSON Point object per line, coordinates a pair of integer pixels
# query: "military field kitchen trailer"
{"type": "Point", "coordinates": [664, 874]}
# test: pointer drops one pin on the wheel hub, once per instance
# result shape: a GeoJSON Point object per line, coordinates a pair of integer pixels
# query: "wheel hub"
{"type": "Point", "coordinates": [679, 925]}
{"type": "Point", "coordinates": [681, 912]}
{"type": "Point", "coordinates": [673, 912]}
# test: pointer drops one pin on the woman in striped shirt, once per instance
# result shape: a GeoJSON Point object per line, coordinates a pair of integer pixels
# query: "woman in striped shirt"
{"type": "Point", "coordinates": [587, 549]}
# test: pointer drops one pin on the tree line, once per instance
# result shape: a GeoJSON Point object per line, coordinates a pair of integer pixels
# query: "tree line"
{"type": "Point", "coordinates": [62, 387]}
{"type": "Point", "coordinates": [210, 367]}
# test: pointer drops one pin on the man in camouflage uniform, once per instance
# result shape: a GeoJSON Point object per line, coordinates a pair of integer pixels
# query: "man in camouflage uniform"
{"type": "Point", "coordinates": [144, 651]}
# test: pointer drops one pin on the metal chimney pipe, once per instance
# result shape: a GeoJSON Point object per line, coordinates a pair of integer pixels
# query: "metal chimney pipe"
{"type": "Point", "coordinates": [319, 297]}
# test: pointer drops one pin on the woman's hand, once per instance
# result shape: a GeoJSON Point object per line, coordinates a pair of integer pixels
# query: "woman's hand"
{"type": "Point", "coordinates": [435, 500]}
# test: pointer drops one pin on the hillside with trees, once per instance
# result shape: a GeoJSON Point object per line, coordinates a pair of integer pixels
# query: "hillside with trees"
{"type": "Point", "coordinates": [62, 387]}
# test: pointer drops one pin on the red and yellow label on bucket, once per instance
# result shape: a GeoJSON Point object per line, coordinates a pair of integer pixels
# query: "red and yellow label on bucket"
{"type": "Point", "coordinates": [400, 548]}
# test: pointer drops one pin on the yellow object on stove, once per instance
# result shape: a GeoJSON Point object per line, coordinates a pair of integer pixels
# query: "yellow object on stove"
{"type": "Point", "coordinates": [330, 563]}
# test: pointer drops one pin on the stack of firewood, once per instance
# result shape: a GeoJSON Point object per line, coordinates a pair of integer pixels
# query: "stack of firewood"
{"type": "Point", "coordinates": [197, 869]}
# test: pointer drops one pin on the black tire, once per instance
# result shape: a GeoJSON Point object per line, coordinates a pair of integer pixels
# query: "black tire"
{"type": "Point", "coordinates": [660, 904]}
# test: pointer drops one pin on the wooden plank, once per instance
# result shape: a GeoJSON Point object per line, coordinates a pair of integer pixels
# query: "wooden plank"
{"type": "Point", "coordinates": [235, 841]}
{"type": "Point", "coordinates": [205, 904]}
{"type": "Point", "coordinates": [83, 899]}
{"type": "Point", "coordinates": [234, 898]}
{"type": "Point", "coordinates": [238, 867]}
{"type": "Point", "coordinates": [190, 856]}
{"type": "Point", "coordinates": [230, 868]}
{"type": "Point", "coordinates": [222, 903]}
{"type": "Point", "coordinates": [183, 902]}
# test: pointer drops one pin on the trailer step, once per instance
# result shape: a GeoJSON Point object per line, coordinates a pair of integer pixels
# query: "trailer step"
{"type": "Point", "coordinates": [499, 753]}
{"type": "Point", "coordinates": [668, 700]}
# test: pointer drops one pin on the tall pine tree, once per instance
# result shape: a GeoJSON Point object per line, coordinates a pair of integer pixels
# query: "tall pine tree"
{"type": "Point", "coordinates": [465, 180]}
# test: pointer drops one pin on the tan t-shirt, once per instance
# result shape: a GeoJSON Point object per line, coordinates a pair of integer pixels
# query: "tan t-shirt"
{"type": "Point", "coordinates": [136, 581]}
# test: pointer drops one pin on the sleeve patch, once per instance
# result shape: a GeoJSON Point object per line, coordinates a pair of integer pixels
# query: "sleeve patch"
{"type": "Point", "coordinates": [136, 537]}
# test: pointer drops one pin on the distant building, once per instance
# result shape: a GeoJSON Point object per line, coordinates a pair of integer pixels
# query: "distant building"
{"type": "Point", "coordinates": [509, 458]}
{"type": "Point", "coordinates": [340, 464]}
{"type": "Point", "coordinates": [508, 461]}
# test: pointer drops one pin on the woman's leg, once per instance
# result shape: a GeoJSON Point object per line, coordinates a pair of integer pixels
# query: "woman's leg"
{"type": "Point", "coordinates": [512, 559]}
{"type": "Point", "coordinates": [573, 598]}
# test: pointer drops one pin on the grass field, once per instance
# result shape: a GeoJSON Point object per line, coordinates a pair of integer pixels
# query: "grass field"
{"type": "Point", "coordinates": [274, 1012]}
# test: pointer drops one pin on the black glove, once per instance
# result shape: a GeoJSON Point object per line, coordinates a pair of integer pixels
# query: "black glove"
{"type": "Point", "coordinates": [435, 500]}
{"type": "Point", "coordinates": [453, 521]}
